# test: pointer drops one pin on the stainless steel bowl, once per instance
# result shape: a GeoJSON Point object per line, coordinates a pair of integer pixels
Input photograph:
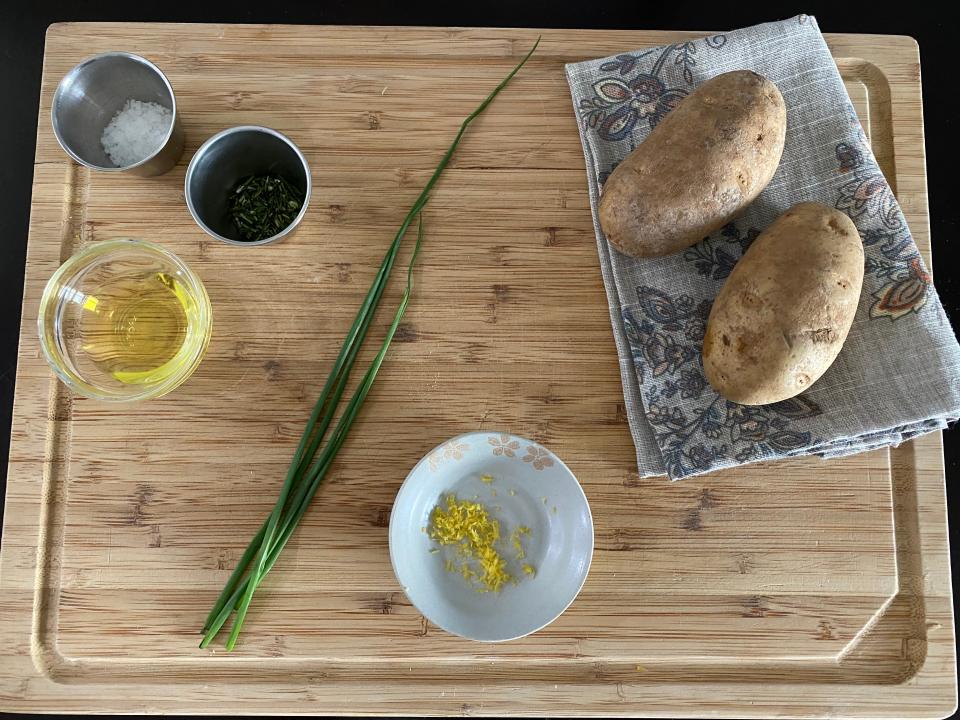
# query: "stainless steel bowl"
{"type": "Point", "coordinates": [91, 94]}
{"type": "Point", "coordinates": [226, 158]}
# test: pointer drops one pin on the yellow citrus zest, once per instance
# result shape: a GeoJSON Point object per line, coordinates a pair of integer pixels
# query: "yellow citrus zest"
{"type": "Point", "coordinates": [468, 527]}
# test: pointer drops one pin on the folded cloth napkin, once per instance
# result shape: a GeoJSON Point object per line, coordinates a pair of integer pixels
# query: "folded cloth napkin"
{"type": "Point", "coordinates": [898, 375]}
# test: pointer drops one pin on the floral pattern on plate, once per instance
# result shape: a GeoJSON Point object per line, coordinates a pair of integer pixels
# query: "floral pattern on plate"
{"type": "Point", "coordinates": [451, 450]}
{"type": "Point", "coordinates": [503, 444]}
{"type": "Point", "coordinates": [538, 457]}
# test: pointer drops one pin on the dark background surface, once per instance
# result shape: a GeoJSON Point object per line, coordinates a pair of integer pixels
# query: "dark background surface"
{"type": "Point", "coordinates": [21, 53]}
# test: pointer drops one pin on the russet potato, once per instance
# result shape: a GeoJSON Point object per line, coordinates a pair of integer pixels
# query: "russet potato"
{"type": "Point", "coordinates": [782, 316]}
{"type": "Point", "coordinates": [699, 167]}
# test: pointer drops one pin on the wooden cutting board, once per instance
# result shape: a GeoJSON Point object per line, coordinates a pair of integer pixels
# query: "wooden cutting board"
{"type": "Point", "coordinates": [795, 588]}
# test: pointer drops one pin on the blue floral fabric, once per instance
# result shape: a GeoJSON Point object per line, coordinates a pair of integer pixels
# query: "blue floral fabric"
{"type": "Point", "coordinates": [898, 375]}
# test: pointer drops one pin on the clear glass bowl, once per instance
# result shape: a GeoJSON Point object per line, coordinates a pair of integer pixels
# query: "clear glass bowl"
{"type": "Point", "coordinates": [124, 320]}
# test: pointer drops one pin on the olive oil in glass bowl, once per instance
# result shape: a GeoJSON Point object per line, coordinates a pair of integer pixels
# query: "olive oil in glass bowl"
{"type": "Point", "coordinates": [124, 320]}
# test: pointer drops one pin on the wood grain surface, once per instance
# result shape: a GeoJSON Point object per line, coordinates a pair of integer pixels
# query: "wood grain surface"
{"type": "Point", "coordinates": [798, 588]}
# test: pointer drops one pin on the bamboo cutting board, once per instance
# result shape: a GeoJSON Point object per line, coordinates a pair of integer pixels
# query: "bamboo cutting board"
{"type": "Point", "coordinates": [795, 588]}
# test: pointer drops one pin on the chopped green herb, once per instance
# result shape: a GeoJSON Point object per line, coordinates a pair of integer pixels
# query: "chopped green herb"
{"type": "Point", "coordinates": [263, 205]}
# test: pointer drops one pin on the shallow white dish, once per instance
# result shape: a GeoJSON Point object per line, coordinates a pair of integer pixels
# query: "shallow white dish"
{"type": "Point", "coordinates": [546, 498]}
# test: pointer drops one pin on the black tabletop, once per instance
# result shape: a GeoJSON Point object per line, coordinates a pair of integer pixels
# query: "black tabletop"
{"type": "Point", "coordinates": [21, 52]}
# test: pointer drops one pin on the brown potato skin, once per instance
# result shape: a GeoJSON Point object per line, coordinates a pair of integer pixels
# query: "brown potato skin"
{"type": "Point", "coordinates": [699, 167]}
{"type": "Point", "coordinates": [782, 316]}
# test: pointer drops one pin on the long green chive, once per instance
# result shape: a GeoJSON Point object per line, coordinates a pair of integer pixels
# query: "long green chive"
{"type": "Point", "coordinates": [323, 463]}
{"type": "Point", "coordinates": [329, 397]}
{"type": "Point", "coordinates": [305, 474]}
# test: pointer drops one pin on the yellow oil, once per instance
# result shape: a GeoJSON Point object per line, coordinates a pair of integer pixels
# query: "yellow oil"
{"type": "Point", "coordinates": [138, 329]}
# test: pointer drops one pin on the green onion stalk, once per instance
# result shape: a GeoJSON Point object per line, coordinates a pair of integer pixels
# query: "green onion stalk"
{"type": "Point", "coordinates": [310, 463]}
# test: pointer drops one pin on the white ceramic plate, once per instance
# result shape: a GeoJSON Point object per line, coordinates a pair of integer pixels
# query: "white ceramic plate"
{"type": "Point", "coordinates": [546, 498]}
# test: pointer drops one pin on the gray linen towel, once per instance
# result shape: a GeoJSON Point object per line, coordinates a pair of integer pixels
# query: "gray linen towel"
{"type": "Point", "coordinates": [898, 375]}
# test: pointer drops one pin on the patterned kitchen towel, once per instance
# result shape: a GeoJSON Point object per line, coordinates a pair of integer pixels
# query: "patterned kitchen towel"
{"type": "Point", "coordinates": [898, 375]}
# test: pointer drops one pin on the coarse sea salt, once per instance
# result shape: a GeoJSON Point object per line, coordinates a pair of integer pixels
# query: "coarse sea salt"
{"type": "Point", "coordinates": [135, 132]}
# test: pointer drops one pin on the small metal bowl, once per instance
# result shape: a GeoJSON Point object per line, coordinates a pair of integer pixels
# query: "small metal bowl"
{"type": "Point", "coordinates": [91, 94]}
{"type": "Point", "coordinates": [226, 158]}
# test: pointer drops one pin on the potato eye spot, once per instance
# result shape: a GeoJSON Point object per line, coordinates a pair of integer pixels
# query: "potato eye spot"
{"type": "Point", "coordinates": [835, 226]}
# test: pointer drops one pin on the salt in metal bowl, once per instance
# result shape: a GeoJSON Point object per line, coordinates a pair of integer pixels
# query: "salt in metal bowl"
{"type": "Point", "coordinates": [94, 91]}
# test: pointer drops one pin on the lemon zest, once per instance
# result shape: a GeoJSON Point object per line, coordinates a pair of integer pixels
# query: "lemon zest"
{"type": "Point", "coordinates": [515, 536]}
{"type": "Point", "coordinates": [468, 527]}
